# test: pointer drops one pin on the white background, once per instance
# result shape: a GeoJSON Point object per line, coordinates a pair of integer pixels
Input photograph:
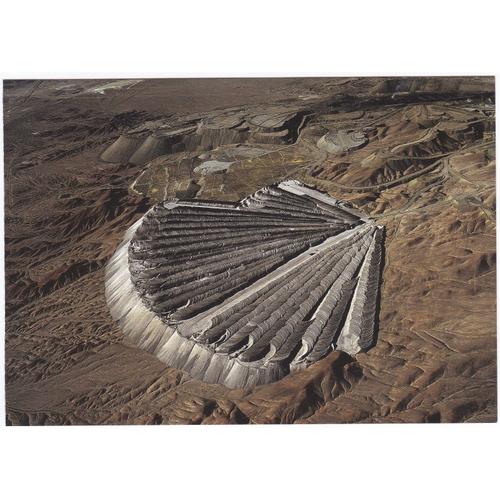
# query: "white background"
{"type": "Point", "coordinates": [52, 39]}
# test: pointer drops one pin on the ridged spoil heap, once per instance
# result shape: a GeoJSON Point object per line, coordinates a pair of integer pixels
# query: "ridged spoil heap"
{"type": "Point", "coordinates": [241, 294]}
{"type": "Point", "coordinates": [154, 139]}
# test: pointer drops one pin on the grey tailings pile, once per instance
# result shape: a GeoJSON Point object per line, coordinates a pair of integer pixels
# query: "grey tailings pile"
{"type": "Point", "coordinates": [241, 294]}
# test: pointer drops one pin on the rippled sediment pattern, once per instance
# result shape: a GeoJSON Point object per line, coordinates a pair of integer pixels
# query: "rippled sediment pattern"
{"type": "Point", "coordinates": [241, 294]}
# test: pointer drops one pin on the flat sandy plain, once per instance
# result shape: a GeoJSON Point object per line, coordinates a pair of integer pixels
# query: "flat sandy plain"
{"type": "Point", "coordinates": [427, 172]}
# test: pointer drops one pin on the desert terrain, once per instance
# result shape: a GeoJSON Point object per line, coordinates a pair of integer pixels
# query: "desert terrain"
{"type": "Point", "coordinates": [83, 162]}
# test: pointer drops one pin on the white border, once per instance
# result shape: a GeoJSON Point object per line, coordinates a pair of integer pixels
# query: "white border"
{"type": "Point", "coordinates": [96, 39]}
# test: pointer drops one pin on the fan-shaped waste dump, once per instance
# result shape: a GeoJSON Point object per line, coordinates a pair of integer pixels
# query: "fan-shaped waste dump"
{"type": "Point", "coordinates": [241, 294]}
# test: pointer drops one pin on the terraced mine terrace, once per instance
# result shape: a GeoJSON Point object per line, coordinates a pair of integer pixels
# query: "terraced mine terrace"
{"type": "Point", "coordinates": [250, 250]}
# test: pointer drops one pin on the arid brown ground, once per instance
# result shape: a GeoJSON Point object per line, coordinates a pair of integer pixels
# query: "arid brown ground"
{"type": "Point", "coordinates": [427, 173]}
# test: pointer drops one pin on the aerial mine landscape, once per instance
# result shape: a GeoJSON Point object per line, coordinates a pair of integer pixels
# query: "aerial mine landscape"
{"type": "Point", "coordinates": [236, 251]}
